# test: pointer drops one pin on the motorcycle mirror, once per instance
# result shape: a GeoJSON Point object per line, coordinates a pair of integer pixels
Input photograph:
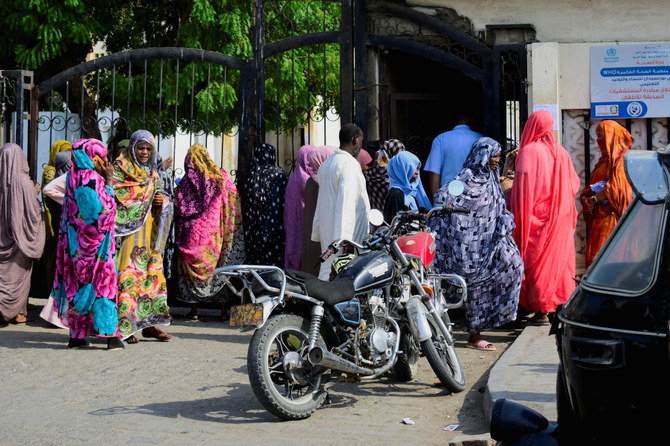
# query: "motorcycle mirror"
{"type": "Point", "coordinates": [455, 188]}
{"type": "Point", "coordinates": [376, 217]}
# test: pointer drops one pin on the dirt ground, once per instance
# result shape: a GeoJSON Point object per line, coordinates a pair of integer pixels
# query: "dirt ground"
{"type": "Point", "coordinates": [194, 389]}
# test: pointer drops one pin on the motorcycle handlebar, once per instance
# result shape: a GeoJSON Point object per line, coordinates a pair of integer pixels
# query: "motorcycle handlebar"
{"type": "Point", "coordinates": [400, 218]}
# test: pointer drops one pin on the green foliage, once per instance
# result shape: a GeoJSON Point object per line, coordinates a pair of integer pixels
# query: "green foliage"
{"type": "Point", "coordinates": [48, 36]}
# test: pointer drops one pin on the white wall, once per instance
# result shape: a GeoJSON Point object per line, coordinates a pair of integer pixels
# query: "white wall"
{"type": "Point", "coordinates": [568, 21]}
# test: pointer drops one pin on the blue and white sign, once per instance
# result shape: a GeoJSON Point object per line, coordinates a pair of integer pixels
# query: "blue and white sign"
{"type": "Point", "coordinates": [630, 81]}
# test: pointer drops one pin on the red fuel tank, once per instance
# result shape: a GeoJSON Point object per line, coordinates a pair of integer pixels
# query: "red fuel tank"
{"type": "Point", "coordinates": [419, 244]}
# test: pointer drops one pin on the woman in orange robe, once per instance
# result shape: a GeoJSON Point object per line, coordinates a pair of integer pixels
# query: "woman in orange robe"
{"type": "Point", "coordinates": [542, 200]}
{"type": "Point", "coordinates": [609, 194]}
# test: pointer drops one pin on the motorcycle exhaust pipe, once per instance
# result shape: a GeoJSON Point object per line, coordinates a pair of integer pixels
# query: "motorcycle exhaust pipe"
{"type": "Point", "coordinates": [319, 356]}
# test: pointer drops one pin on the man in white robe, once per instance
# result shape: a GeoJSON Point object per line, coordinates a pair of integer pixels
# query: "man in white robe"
{"type": "Point", "coordinates": [342, 205]}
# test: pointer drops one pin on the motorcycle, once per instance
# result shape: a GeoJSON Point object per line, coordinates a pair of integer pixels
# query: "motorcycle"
{"type": "Point", "coordinates": [385, 308]}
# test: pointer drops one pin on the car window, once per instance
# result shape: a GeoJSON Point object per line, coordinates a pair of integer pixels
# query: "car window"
{"type": "Point", "coordinates": [628, 261]}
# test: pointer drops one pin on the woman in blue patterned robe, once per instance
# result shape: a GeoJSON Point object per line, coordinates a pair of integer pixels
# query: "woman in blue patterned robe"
{"type": "Point", "coordinates": [479, 246]}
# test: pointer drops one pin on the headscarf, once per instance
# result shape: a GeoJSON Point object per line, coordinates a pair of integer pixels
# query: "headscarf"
{"type": "Point", "coordinates": [401, 168]}
{"type": "Point", "coordinates": [616, 140]}
{"type": "Point", "coordinates": [135, 185]}
{"type": "Point", "coordinates": [86, 282]}
{"type": "Point", "coordinates": [542, 202]}
{"type": "Point", "coordinates": [207, 211]}
{"type": "Point", "coordinates": [376, 177]}
{"type": "Point", "coordinates": [50, 169]}
{"type": "Point", "coordinates": [21, 224]}
{"type": "Point", "coordinates": [264, 208]}
{"type": "Point", "coordinates": [316, 158]}
{"type": "Point", "coordinates": [294, 208]}
{"type": "Point", "coordinates": [48, 175]}
{"type": "Point", "coordinates": [363, 159]}
{"type": "Point", "coordinates": [610, 166]}
{"type": "Point", "coordinates": [478, 246]}
{"type": "Point", "coordinates": [63, 162]}
{"type": "Point", "coordinates": [468, 240]}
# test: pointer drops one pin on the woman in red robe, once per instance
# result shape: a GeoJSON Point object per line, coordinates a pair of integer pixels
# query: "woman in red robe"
{"type": "Point", "coordinates": [542, 201]}
{"type": "Point", "coordinates": [609, 194]}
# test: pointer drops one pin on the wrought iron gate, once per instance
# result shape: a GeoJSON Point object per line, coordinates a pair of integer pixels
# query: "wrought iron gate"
{"type": "Point", "coordinates": [311, 65]}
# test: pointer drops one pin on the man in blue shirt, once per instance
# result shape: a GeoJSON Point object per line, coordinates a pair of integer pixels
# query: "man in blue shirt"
{"type": "Point", "coordinates": [448, 153]}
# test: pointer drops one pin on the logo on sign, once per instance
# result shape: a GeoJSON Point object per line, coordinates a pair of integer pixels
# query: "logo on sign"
{"type": "Point", "coordinates": [634, 109]}
{"type": "Point", "coordinates": [611, 52]}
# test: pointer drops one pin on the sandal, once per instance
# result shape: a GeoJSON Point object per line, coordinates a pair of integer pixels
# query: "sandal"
{"type": "Point", "coordinates": [20, 319]}
{"type": "Point", "coordinates": [481, 345]}
{"type": "Point", "coordinates": [539, 321]}
{"type": "Point", "coordinates": [157, 333]}
{"type": "Point", "coordinates": [131, 340]}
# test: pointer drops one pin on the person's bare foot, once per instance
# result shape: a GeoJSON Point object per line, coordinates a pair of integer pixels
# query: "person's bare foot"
{"type": "Point", "coordinates": [193, 314]}
{"type": "Point", "coordinates": [20, 319]}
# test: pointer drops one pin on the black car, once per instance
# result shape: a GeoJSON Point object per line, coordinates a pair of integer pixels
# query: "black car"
{"type": "Point", "coordinates": [613, 335]}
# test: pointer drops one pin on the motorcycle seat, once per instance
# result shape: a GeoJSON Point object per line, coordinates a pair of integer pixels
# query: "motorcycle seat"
{"type": "Point", "coordinates": [273, 279]}
{"type": "Point", "coordinates": [331, 293]}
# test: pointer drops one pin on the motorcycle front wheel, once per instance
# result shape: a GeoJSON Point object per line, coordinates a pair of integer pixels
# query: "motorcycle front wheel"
{"type": "Point", "coordinates": [408, 361]}
{"type": "Point", "coordinates": [280, 373]}
{"type": "Point", "coordinates": [443, 360]}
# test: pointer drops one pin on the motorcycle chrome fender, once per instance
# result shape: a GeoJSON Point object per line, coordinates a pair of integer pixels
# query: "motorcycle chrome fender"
{"type": "Point", "coordinates": [418, 321]}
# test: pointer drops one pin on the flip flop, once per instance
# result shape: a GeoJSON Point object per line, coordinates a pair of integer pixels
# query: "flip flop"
{"type": "Point", "coordinates": [131, 340]}
{"type": "Point", "coordinates": [156, 333]}
{"type": "Point", "coordinates": [481, 345]}
{"type": "Point", "coordinates": [14, 322]}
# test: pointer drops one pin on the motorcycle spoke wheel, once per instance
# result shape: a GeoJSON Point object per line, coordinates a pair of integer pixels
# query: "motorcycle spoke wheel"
{"type": "Point", "coordinates": [281, 376]}
{"type": "Point", "coordinates": [444, 361]}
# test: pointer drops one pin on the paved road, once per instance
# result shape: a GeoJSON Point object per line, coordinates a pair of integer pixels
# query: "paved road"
{"type": "Point", "coordinates": [194, 389]}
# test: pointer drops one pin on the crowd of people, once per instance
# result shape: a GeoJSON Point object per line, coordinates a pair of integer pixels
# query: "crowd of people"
{"type": "Point", "coordinates": [111, 234]}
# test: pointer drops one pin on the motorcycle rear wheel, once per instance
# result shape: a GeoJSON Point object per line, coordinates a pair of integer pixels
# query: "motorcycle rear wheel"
{"type": "Point", "coordinates": [443, 360]}
{"type": "Point", "coordinates": [279, 371]}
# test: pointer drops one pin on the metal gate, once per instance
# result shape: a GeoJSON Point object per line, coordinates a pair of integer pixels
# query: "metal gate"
{"type": "Point", "coordinates": [312, 64]}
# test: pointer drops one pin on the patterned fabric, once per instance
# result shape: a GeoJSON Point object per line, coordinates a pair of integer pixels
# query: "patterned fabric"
{"type": "Point", "coordinates": [85, 286]}
{"type": "Point", "coordinates": [542, 201]}
{"type": "Point", "coordinates": [294, 208]}
{"type": "Point", "coordinates": [207, 220]}
{"type": "Point", "coordinates": [376, 177]}
{"type": "Point", "coordinates": [614, 141]}
{"type": "Point", "coordinates": [264, 208]}
{"type": "Point", "coordinates": [167, 189]}
{"type": "Point", "coordinates": [52, 219]}
{"type": "Point", "coordinates": [48, 175]}
{"type": "Point", "coordinates": [134, 187]}
{"type": "Point", "coordinates": [142, 230]}
{"type": "Point", "coordinates": [479, 246]}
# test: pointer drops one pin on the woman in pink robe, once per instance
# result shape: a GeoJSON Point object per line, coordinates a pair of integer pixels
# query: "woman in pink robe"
{"type": "Point", "coordinates": [543, 203]}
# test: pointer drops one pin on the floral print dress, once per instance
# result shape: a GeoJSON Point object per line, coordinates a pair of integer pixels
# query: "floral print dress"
{"type": "Point", "coordinates": [85, 282]}
{"type": "Point", "coordinates": [208, 228]}
{"type": "Point", "coordinates": [142, 231]}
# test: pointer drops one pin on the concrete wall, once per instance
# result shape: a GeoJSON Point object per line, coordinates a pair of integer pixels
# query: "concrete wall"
{"type": "Point", "coordinates": [568, 21]}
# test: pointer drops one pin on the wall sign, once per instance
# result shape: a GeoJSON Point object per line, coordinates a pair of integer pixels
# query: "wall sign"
{"type": "Point", "coordinates": [630, 81]}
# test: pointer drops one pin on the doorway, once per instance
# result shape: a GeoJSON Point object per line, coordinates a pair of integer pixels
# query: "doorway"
{"type": "Point", "coordinates": [423, 99]}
